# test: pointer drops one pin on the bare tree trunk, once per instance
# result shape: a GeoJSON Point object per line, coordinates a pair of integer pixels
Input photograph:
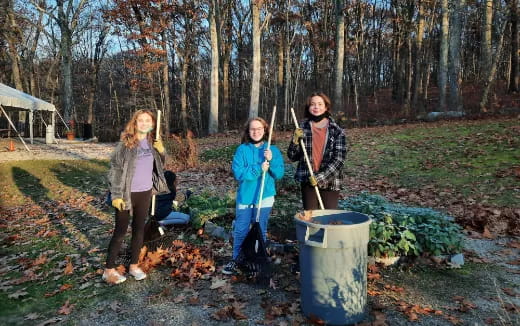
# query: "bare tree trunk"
{"type": "Point", "coordinates": [32, 53]}
{"type": "Point", "coordinates": [96, 63]}
{"type": "Point", "coordinates": [418, 75]}
{"type": "Point", "coordinates": [485, 44]}
{"type": "Point", "coordinates": [184, 89]}
{"type": "Point", "coordinates": [454, 56]}
{"type": "Point", "coordinates": [340, 55]}
{"type": "Point", "coordinates": [255, 80]}
{"type": "Point", "coordinates": [280, 78]}
{"type": "Point", "coordinates": [443, 60]}
{"type": "Point", "coordinates": [492, 72]}
{"type": "Point", "coordinates": [67, 21]}
{"type": "Point", "coordinates": [213, 115]}
{"type": "Point", "coordinates": [514, 74]}
{"type": "Point", "coordinates": [166, 86]}
{"type": "Point", "coordinates": [11, 32]}
{"type": "Point", "coordinates": [226, 43]}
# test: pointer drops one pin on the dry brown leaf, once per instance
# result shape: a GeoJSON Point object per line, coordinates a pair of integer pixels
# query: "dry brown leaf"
{"type": "Point", "coordinates": [374, 276]}
{"type": "Point", "coordinates": [236, 312]}
{"type": "Point", "coordinates": [194, 300]}
{"type": "Point", "coordinates": [40, 260]}
{"type": "Point", "coordinates": [217, 283]}
{"type": "Point", "coordinates": [66, 308]}
{"type": "Point", "coordinates": [513, 244]}
{"type": "Point", "coordinates": [69, 268]}
{"type": "Point", "coordinates": [487, 234]}
{"type": "Point", "coordinates": [65, 287]}
{"type": "Point", "coordinates": [379, 318]}
{"type": "Point", "coordinates": [509, 291]}
{"type": "Point", "coordinates": [180, 298]}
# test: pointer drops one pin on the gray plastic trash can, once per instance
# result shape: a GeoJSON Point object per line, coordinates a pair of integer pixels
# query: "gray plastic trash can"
{"type": "Point", "coordinates": [333, 265]}
{"type": "Point", "coordinates": [49, 134]}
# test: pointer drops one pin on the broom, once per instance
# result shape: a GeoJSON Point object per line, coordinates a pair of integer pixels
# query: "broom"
{"type": "Point", "coordinates": [306, 156]}
{"type": "Point", "coordinates": [253, 252]}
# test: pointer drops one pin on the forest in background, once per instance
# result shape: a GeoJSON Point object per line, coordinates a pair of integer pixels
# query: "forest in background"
{"type": "Point", "coordinates": [211, 64]}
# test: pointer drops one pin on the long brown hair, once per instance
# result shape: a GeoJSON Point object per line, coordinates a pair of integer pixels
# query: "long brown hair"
{"type": "Point", "coordinates": [245, 136]}
{"type": "Point", "coordinates": [326, 100]}
{"type": "Point", "coordinates": [129, 135]}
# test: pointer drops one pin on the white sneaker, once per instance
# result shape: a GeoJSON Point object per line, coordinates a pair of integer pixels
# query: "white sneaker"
{"type": "Point", "coordinates": [113, 277]}
{"type": "Point", "coordinates": [137, 273]}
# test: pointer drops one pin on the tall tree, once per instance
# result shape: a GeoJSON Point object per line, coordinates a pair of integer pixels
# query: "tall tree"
{"type": "Point", "coordinates": [485, 44]}
{"type": "Point", "coordinates": [12, 33]}
{"type": "Point", "coordinates": [213, 113]}
{"type": "Point", "coordinates": [443, 56]}
{"type": "Point", "coordinates": [340, 54]}
{"type": "Point", "coordinates": [454, 66]}
{"type": "Point", "coordinates": [417, 84]}
{"type": "Point", "coordinates": [256, 5]}
{"type": "Point", "coordinates": [67, 20]}
{"type": "Point", "coordinates": [514, 73]}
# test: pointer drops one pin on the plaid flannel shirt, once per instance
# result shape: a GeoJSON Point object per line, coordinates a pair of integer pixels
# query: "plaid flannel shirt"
{"type": "Point", "coordinates": [330, 173]}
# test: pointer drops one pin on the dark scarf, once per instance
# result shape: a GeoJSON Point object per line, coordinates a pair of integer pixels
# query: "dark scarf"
{"type": "Point", "coordinates": [320, 117]}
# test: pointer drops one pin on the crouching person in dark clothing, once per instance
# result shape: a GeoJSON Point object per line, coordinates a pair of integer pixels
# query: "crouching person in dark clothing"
{"type": "Point", "coordinates": [164, 204]}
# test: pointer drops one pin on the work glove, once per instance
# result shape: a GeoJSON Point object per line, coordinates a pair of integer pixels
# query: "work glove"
{"type": "Point", "coordinates": [158, 145]}
{"type": "Point", "coordinates": [119, 204]}
{"type": "Point", "coordinates": [313, 181]}
{"type": "Point", "coordinates": [297, 135]}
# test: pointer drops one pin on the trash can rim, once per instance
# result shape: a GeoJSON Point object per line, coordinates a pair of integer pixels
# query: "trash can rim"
{"type": "Point", "coordinates": [339, 226]}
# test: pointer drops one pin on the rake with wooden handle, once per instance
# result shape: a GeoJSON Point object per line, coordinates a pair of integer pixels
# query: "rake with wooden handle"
{"type": "Point", "coordinates": [157, 134]}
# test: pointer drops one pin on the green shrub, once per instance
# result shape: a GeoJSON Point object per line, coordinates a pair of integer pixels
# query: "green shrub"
{"type": "Point", "coordinates": [398, 230]}
{"type": "Point", "coordinates": [207, 207]}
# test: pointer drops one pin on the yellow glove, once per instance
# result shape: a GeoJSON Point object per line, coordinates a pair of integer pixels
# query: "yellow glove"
{"type": "Point", "coordinates": [297, 135]}
{"type": "Point", "coordinates": [119, 204]}
{"type": "Point", "coordinates": [313, 181]}
{"type": "Point", "coordinates": [158, 145]}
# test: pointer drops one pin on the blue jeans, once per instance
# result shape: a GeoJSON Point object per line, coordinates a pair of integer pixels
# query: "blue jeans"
{"type": "Point", "coordinates": [243, 220]}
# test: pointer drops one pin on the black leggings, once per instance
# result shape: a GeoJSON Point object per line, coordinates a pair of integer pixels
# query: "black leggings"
{"type": "Point", "coordinates": [310, 200]}
{"type": "Point", "coordinates": [140, 206]}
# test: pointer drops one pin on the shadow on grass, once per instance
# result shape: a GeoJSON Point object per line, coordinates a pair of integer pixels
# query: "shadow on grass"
{"type": "Point", "coordinates": [70, 221]}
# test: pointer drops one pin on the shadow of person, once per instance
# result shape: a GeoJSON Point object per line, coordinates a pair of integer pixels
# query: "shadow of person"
{"type": "Point", "coordinates": [29, 185]}
{"type": "Point", "coordinates": [62, 216]}
{"type": "Point", "coordinates": [90, 178]}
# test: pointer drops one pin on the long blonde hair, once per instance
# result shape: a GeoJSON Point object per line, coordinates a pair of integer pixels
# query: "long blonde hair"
{"type": "Point", "coordinates": [129, 135]}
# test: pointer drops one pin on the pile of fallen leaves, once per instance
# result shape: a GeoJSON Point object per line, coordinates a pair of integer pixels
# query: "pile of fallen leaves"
{"type": "Point", "coordinates": [189, 262]}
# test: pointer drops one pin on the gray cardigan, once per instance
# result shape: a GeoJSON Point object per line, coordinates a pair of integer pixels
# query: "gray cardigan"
{"type": "Point", "coordinates": [122, 168]}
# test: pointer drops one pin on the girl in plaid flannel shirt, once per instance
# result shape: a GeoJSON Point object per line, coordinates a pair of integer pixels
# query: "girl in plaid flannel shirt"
{"type": "Point", "coordinates": [326, 146]}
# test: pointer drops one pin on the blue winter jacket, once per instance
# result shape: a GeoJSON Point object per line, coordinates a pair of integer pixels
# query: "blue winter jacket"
{"type": "Point", "coordinates": [247, 169]}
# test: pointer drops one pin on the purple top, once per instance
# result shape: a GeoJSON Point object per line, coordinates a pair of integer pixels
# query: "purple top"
{"type": "Point", "coordinates": [142, 180]}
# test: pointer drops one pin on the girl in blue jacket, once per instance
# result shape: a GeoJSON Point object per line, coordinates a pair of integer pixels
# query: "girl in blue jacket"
{"type": "Point", "coordinates": [251, 159]}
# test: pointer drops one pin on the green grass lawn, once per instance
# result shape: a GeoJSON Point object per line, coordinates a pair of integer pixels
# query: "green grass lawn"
{"type": "Point", "coordinates": [475, 159]}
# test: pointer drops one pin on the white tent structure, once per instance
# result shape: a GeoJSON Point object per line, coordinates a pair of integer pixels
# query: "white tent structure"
{"type": "Point", "coordinates": [11, 98]}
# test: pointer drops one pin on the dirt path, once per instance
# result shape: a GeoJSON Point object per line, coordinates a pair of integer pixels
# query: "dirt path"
{"type": "Point", "coordinates": [65, 150]}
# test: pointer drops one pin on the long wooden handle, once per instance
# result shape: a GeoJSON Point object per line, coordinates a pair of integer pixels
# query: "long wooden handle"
{"type": "Point", "coordinates": [271, 127]}
{"type": "Point", "coordinates": [302, 145]}
{"type": "Point", "coordinates": [157, 134]}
